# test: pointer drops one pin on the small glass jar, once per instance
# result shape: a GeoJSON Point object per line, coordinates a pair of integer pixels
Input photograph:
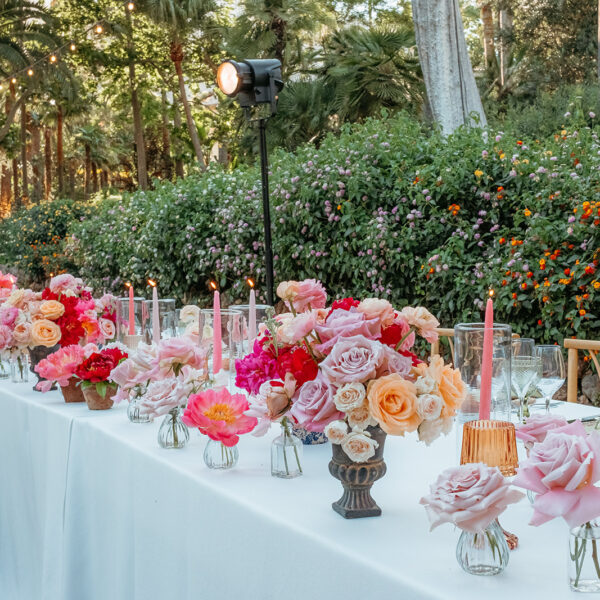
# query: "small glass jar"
{"type": "Point", "coordinates": [4, 367]}
{"type": "Point", "coordinates": [133, 411]}
{"type": "Point", "coordinates": [584, 561]}
{"type": "Point", "coordinates": [219, 456]}
{"type": "Point", "coordinates": [19, 368]}
{"type": "Point", "coordinates": [286, 453]}
{"type": "Point", "coordinates": [483, 553]}
{"type": "Point", "coordinates": [173, 432]}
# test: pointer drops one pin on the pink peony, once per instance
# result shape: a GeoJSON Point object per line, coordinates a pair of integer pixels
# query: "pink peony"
{"type": "Point", "coordinates": [470, 496]}
{"type": "Point", "coordinates": [254, 369]}
{"type": "Point", "coordinates": [310, 294]}
{"type": "Point", "coordinates": [8, 316]}
{"type": "Point", "coordinates": [353, 359]}
{"type": "Point", "coordinates": [60, 366]}
{"type": "Point", "coordinates": [537, 426]}
{"type": "Point", "coordinates": [313, 406]}
{"type": "Point", "coordinates": [562, 470]}
{"type": "Point", "coordinates": [65, 282]}
{"type": "Point", "coordinates": [7, 282]}
{"type": "Point", "coordinates": [22, 334]}
{"type": "Point", "coordinates": [219, 415]}
{"type": "Point", "coordinates": [5, 337]}
{"type": "Point", "coordinates": [345, 323]}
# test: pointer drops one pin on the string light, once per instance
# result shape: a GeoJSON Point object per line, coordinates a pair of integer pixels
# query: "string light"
{"type": "Point", "coordinates": [73, 47]}
{"type": "Point", "coordinates": [13, 80]}
{"type": "Point", "coordinates": [53, 58]}
{"type": "Point", "coordinates": [30, 72]}
{"type": "Point", "coordinates": [99, 29]}
{"type": "Point", "coordinates": [130, 6]}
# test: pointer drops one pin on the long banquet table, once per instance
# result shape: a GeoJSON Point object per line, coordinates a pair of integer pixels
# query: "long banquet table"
{"type": "Point", "coordinates": [92, 509]}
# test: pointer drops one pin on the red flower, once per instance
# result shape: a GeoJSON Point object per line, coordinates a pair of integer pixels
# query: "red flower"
{"type": "Point", "coordinates": [48, 295]}
{"type": "Point", "coordinates": [391, 335]}
{"type": "Point", "coordinates": [589, 270]}
{"type": "Point", "coordinates": [300, 364]}
{"type": "Point", "coordinates": [99, 365]}
{"type": "Point", "coordinates": [412, 356]}
{"type": "Point", "coordinates": [345, 304]}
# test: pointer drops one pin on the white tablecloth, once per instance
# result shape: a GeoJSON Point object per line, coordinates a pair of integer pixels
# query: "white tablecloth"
{"type": "Point", "coordinates": [92, 509]}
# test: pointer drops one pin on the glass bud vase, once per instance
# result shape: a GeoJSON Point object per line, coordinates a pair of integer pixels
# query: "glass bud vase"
{"type": "Point", "coordinates": [173, 432]}
{"type": "Point", "coordinates": [584, 557]}
{"type": "Point", "coordinates": [4, 367]}
{"type": "Point", "coordinates": [286, 453]}
{"type": "Point", "coordinates": [483, 553]}
{"type": "Point", "coordinates": [134, 414]}
{"type": "Point", "coordinates": [19, 368]}
{"type": "Point", "coordinates": [219, 456]}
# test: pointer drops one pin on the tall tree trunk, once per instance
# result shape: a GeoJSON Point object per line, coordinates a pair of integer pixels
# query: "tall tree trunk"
{"type": "Point", "coordinates": [166, 138]}
{"type": "Point", "coordinates": [94, 177]}
{"type": "Point", "coordinates": [138, 127]}
{"type": "Point", "coordinates": [278, 28]}
{"type": "Point", "coordinates": [104, 178]}
{"type": "Point", "coordinates": [177, 124]}
{"type": "Point", "coordinates": [5, 190]}
{"type": "Point", "coordinates": [88, 172]}
{"type": "Point", "coordinates": [506, 27]}
{"type": "Point", "coordinates": [72, 178]}
{"type": "Point", "coordinates": [24, 176]}
{"type": "Point", "coordinates": [449, 79]}
{"type": "Point", "coordinates": [60, 156]}
{"type": "Point", "coordinates": [48, 163]}
{"type": "Point", "coordinates": [489, 50]}
{"type": "Point", "coordinates": [36, 163]}
{"type": "Point", "coordinates": [177, 58]}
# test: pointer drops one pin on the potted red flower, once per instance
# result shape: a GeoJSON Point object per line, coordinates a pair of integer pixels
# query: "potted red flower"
{"type": "Point", "coordinates": [95, 372]}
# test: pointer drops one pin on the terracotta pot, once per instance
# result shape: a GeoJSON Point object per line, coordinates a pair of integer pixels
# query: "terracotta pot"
{"type": "Point", "coordinates": [95, 401]}
{"type": "Point", "coordinates": [72, 392]}
{"type": "Point", "coordinates": [358, 478]}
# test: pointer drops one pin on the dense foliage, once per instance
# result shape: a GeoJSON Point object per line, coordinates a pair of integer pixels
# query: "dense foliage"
{"type": "Point", "coordinates": [386, 209]}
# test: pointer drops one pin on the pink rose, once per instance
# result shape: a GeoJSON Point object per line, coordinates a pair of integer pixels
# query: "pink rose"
{"type": "Point", "coordinates": [423, 321]}
{"type": "Point", "coordinates": [296, 328]}
{"type": "Point", "coordinates": [65, 282]}
{"type": "Point", "coordinates": [174, 353]}
{"type": "Point", "coordinates": [393, 362]}
{"type": "Point", "coordinates": [537, 426]}
{"type": "Point", "coordinates": [353, 359]}
{"type": "Point", "coordinates": [562, 470]}
{"type": "Point", "coordinates": [470, 496]}
{"type": "Point", "coordinates": [375, 308]}
{"type": "Point", "coordinates": [313, 406]}
{"type": "Point", "coordinates": [8, 316]}
{"type": "Point", "coordinates": [107, 328]}
{"type": "Point", "coordinates": [162, 396]}
{"type": "Point", "coordinates": [22, 334]}
{"type": "Point", "coordinates": [345, 323]}
{"type": "Point", "coordinates": [310, 294]}
{"type": "Point", "coordinates": [5, 337]}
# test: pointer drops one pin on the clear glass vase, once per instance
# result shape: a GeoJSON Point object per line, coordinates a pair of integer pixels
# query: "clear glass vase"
{"type": "Point", "coordinates": [173, 432]}
{"type": "Point", "coordinates": [584, 557]}
{"type": "Point", "coordinates": [134, 414]}
{"type": "Point", "coordinates": [4, 368]}
{"type": "Point", "coordinates": [286, 453]}
{"type": "Point", "coordinates": [219, 456]}
{"type": "Point", "coordinates": [483, 553]}
{"type": "Point", "coordinates": [19, 368]}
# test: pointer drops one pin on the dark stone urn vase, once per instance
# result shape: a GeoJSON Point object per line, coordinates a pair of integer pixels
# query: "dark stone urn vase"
{"type": "Point", "coordinates": [358, 478]}
{"type": "Point", "coordinates": [36, 355]}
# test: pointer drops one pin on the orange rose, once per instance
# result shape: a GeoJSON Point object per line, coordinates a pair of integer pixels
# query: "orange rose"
{"type": "Point", "coordinates": [45, 333]}
{"type": "Point", "coordinates": [393, 404]}
{"type": "Point", "coordinates": [453, 390]}
{"type": "Point", "coordinates": [52, 309]}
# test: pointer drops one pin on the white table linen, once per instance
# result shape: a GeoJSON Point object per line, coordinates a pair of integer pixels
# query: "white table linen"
{"type": "Point", "coordinates": [92, 509]}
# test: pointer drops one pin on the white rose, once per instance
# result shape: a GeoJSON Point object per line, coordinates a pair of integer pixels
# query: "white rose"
{"type": "Point", "coordinates": [429, 406]}
{"type": "Point", "coordinates": [360, 418]}
{"type": "Point", "coordinates": [429, 431]}
{"type": "Point", "coordinates": [447, 425]}
{"type": "Point", "coordinates": [425, 385]}
{"type": "Point", "coordinates": [359, 447]}
{"type": "Point", "coordinates": [350, 396]}
{"type": "Point", "coordinates": [189, 313]}
{"type": "Point", "coordinates": [336, 431]}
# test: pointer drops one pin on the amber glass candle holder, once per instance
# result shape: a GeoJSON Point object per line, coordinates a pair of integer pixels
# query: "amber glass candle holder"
{"type": "Point", "coordinates": [492, 443]}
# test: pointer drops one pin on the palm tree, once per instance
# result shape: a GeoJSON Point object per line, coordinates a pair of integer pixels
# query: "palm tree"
{"type": "Point", "coordinates": [180, 17]}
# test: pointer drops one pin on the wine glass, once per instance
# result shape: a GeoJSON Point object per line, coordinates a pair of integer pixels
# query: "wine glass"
{"type": "Point", "coordinates": [553, 371]}
{"type": "Point", "coordinates": [525, 372]}
{"type": "Point", "coordinates": [522, 347]}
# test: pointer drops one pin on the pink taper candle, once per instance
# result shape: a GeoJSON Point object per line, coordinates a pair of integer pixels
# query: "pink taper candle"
{"type": "Point", "coordinates": [131, 312]}
{"type": "Point", "coordinates": [155, 314]}
{"type": "Point", "coordinates": [217, 357]}
{"type": "Point", "coordinates": [485, 393]}
{"type": "Point", "coordinates": [252, 315]}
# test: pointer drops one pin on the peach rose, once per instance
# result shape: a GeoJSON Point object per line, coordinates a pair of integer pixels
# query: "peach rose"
{"type": "Point", "coordinates": [22, 334]}
{"type": "Point", "coordinates": [16, 299]}
{"type": "Point", "coordinates": [349, 396]}
{"type": "Point", "coordinates": [393, 404]}
{"type": "Point", "coordinates": [359, 447]}
{"type": "Point", "coordinates": [336, 431]}
{"type": "Point", "coordinates": [52, 309]}
{"type": "Point", "coordinates": [422, 320]}
{"type": "Point", "coordinates": [45, 333]}
{"type": "Point", "coordinates": [449, 383]}
{"type": "Point", "coordinates": [360, 418]}
{"type": "Point", "coordinates": [375, 308]}
{"type": "Point", "coordinates": [288, 290]}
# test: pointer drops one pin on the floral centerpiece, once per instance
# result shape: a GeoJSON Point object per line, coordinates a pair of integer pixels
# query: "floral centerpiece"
{"type": "Point", "coordinates": [563, 471]}
{"type": "Point", "coordinates": [472, 497]}
{"type": "Point", "coordinates": [95, 374]}
{"type": "Point", "coordinates": [348, 370]}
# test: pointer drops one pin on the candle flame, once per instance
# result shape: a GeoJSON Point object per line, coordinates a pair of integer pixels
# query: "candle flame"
{"type": "Point", "coordinates": [127, 284]}
{"type": "Point", "coordinates": [213, 285]}
{"type": "Point", "coordinates": [250, 282]}
{"type": "Point", "coordinates": [152, 282]}
{"type": "Point", "coordinates": [491, 293]}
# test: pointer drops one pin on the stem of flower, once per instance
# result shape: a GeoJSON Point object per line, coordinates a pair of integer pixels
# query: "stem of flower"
{"type": "Point", "coordinates": [403, 338]}
{"type": "Point", "coordinates": [309, 349]}
{"type": "Point", "coordinates": [174, 426]}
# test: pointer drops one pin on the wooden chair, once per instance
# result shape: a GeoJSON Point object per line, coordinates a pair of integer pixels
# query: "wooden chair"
{"type": "Point", "coordinates": [444, 332]}
{"type": "Point", "coordinates": [573, 346]}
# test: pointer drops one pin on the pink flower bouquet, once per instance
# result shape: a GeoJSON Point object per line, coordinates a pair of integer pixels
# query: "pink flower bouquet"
{"type": "Point", "coordinates": [60, 366]}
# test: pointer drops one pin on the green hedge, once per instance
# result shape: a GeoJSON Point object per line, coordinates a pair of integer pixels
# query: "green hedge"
{"type": "Point", "coordinates": [388, 209]}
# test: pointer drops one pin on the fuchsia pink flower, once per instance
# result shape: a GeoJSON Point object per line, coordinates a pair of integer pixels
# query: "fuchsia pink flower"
{"type": "Point", "coordinates": [61, 365]}
{"type": "Point", "coordinates": [219, 415]}
{"type": "Point", "coordinates": [254, 369]}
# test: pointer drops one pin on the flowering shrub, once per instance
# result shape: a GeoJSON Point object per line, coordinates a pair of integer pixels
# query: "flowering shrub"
{"type": "Point", "coordinates": [384, 209]}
